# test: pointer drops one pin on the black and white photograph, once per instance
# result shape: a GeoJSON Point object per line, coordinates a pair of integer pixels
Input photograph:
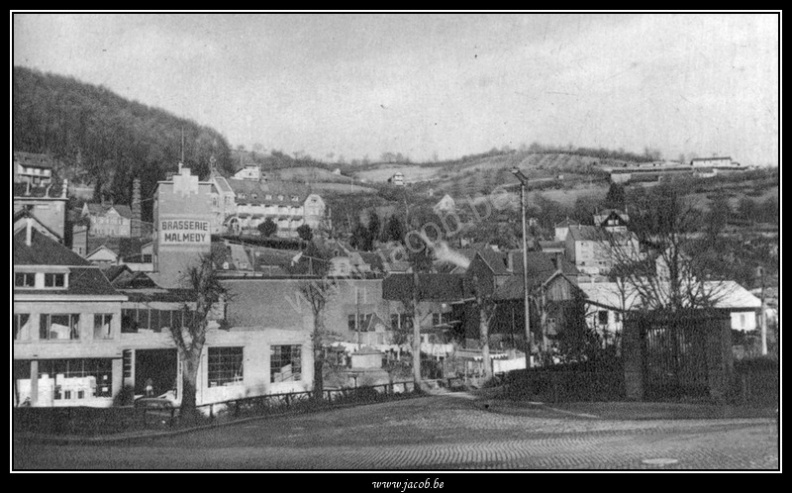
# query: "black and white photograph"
{"type": "Point", "coordinates": [398, 246]}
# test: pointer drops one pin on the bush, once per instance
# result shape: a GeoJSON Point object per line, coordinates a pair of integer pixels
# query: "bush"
{"type": "Point", "coordinates": [126, 397]}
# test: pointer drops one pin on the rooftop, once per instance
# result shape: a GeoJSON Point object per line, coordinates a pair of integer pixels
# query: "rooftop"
{"type": "Point", "coordinates": [102, 209]}
{"type": "Point", "coordinates": [43, 251]}
{"type": "Point", "coordinates": [32, 160]}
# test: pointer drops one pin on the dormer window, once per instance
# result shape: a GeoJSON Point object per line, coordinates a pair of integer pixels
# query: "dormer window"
{"type": "Point", "coordinates": [295, 198]}
{"type": "Point", "coordinates": [280, 197]}
{"type": "Point", "coordinates": [54, 280]}
{"type": "Point", "coordinates": [268, 197]}
{"type": "Point", "coordinates": [255, 196]}
{"type": "Point", "coordinates": [242, 196]}
{"type": "Point", "coordinates": [24, 280]}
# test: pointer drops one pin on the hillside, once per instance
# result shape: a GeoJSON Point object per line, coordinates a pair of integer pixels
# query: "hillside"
{"type": "Point", "coordinates": [104, 141]}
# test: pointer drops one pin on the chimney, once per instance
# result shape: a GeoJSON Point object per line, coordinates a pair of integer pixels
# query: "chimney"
{"type": "Point", "coordinates": [135, 227]}
{"type": "Point", "coordinates": [28, 231]}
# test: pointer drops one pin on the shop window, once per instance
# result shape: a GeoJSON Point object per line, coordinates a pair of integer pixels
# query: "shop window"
{"type": "Point", "coordinates": [59, 327]}
{"type": "Point", "coordinates": [285, 363]}
{"type": "Point", "coordinates": [93, 377]}
{"type": "Point", "coordinates": [103, 326]}
{"type": "Point", "coordinates": [20, 322]}
{"type": "Point", "coordinates": [225, 366]}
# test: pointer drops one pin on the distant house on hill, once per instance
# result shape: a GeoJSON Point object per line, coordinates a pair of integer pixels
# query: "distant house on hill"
{"type": "Point", "coordinates": [35, 169]}
{"type": "Point", "coordinates": [397, 179]}
{"type": "Point", "coordinates": [108, 219]}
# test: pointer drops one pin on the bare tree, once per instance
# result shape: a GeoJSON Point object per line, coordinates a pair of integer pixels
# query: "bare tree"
{"type": "Point", "coordinates": [487, 307]}
{"type": "Point", "coordinates": [317, 292]}
{"type": "Point", "coordinates": [206, 291]}
{"type": "Point", "coordinates": [676, 270]}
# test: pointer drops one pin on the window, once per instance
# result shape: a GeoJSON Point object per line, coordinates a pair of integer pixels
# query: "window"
{"type": "Point", "coordinates": [280, 197]}
{"type": "Point", "coordinates": [133, 319]}
{"type": "Point", "coordinates": [93, 377]}
{"type": "Point", "coordinates": [285, 363]}
{"type": "Point", "coordinates": [54, 280]}
{"type": "Point", "coordinates": [360, 294]}
{"type": "Point", "coordinates": [363, 321]}
{"type": "Point", "coordinates": [20, 322]}
{"type": "Point", "coordinates": [103, 326]}
{"type": "Point", "coordinates": [399, 321]}
{"type": "Point", "coordinates": [225, 366]}
{"type": "Point", "coordinates": [268, 197]}
{"type": "Point", "coordinates": [59, 327]}
{"type": "Point", "coordinates": [440, 318]}
{"type": "Point", "coordinates": [127, 361]}
{"type": "Point", "coordinates": [24, 279]}
{"type": "Point", "coordinates": [602, 317]}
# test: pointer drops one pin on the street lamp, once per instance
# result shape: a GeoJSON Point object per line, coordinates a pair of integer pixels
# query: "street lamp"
{"type": "Point", "coordinates": [523, 181]}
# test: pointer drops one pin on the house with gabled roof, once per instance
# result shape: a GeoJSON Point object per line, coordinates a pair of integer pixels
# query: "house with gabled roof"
{"type": "Point", "coordinates": [66, 317]}
{"type": "Point", "coordinates": [108, 220]}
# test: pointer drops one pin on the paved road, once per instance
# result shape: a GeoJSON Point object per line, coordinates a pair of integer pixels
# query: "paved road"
{"type": "Point", "coordinates": [447, 432]}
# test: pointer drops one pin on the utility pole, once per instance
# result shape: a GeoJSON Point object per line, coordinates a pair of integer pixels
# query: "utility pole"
{"type": "Point", "coordinates": [763, 314]}
{"type": "Point", "coordinates": [528, 339]}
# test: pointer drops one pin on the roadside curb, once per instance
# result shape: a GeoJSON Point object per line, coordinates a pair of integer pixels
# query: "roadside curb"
{"type": "Point", "coordinates": [647, 412]}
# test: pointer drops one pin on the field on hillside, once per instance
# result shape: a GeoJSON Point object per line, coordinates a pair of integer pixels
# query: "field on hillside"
{"type": "Point", "coordinates": [342, 188]}
{"type": "Point", "coordinates": [412, 173]}
{"type": "Point", "coordinates": [309, 174]}
{"type": "Point", "coordinates": [533, 165]}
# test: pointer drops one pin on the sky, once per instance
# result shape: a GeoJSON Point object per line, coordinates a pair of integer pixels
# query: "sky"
{"type": "Point", "coordinates": [442, 85]}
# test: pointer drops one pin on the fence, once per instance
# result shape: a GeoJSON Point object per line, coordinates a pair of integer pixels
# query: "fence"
{"type": "Point", "coordinates": [104, 421]}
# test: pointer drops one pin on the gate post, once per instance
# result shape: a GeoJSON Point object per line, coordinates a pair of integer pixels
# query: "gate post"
{"type": "Point", "coordinates": [719, 354]}
{"type": "Point", "coordinates": [632, 354]}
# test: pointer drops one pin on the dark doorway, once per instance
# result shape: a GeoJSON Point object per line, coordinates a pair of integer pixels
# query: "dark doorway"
{"type": "Point", "coordinates": [160, 365]}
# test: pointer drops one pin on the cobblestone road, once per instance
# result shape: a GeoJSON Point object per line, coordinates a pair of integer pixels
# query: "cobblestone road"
{"type": "Point", "coordinates": [447, 432]}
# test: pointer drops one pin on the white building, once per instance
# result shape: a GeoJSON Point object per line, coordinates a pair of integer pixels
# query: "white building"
{"type": "Point", "coordinates": [607, 302]}
{"type": "Point", "coordinates": [242, 205]}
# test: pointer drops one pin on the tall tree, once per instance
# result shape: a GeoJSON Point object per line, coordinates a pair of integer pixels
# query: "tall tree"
{"type": "Point", "coordinates": [420, 260]}
{"type": "Point", "coordinates": [395, 229]}
{"type": "Point", "coordinates": [615, 197]}
{"type": "Point", "coordinates": [206, 292]}
{"type": "Point", "coordinates": [268, 228]}
{"type": "Point", "coordinates": [374, 225]}
{"type": "Point", "coordinates": [305, 232]}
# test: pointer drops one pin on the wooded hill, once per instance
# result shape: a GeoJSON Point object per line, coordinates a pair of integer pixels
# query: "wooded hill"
{"type": "Point", "coordinates": [105, 141]}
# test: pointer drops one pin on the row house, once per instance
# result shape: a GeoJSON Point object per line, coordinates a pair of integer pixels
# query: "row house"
{"type": "Point", "coordinates": [244, 204]}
